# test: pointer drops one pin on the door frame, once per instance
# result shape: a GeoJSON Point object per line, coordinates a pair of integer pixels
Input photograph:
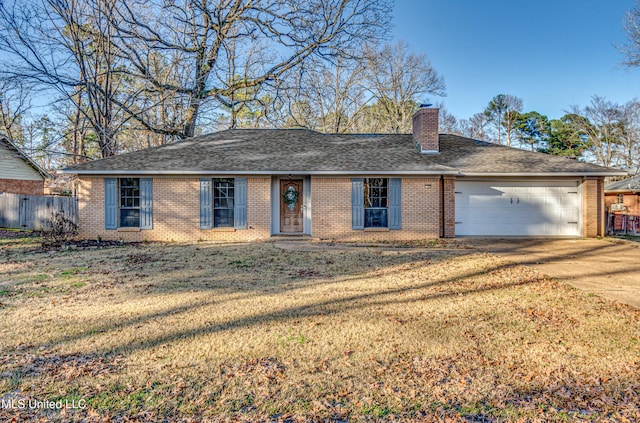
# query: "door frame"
{"type": "Point", "coordinates": [306, 203]}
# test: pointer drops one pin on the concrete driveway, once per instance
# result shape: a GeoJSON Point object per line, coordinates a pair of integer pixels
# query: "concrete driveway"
{"type": "Point", "coordinates": [608, 269]}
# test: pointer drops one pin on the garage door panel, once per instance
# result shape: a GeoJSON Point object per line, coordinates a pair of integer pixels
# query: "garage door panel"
{"type": "Point", "coordinates": [516, 229]}
{"type": "Point", "coordinates": [517, 208]}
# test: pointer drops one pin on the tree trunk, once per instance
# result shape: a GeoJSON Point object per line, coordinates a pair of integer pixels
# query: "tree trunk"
{"type": "Point", "coordinates": [191, 119]}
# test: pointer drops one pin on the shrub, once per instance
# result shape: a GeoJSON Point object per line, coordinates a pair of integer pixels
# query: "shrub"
{"type": "Point", "coordinates": [61, 230]}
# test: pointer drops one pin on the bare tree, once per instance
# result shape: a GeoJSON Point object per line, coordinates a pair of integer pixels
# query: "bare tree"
{"type": "Point", "coordinates": [631, 25]}
{"type": "Point", "coordinates": [246, 104]}
{"type": "Point", "coordinates": [397, 80]}
{"type": "Point", "coordinates": [14, 103]}
{"type": "Point", "coordinates": [448, 123]}
{"type": "Point", "coordinates": [601, 124]}
{"type": "Point", "coordinates": [75, 132]}
{"type": "Point", "coordinates": [334, 95]}
{"type": "Point", "coordinates": [503, 111]}
{"type": "Point", "coordinates": [42, 136]}
{"type": "Point", "coordinates": [68, 45]}
{"type": "Point", "coordinates": [195, 37]}
{"type": "Point", "coordinates": [629, 139]}
{"type": "Point", "coordinates": [475, 126]}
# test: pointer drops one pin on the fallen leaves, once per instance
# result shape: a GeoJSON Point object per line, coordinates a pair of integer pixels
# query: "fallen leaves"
{"type": "Point", "coordinates": [253, 333]}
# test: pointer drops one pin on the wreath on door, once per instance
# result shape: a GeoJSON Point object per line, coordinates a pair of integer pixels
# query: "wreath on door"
{"type": "Point", "coordinates": [290, 197]}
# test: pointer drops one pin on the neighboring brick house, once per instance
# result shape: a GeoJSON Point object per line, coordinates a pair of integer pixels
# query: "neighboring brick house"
{"type": "Point", "coordinates": [248, 184]}
{"type": "Point", "coordinates": [622, 200]}
{"type": "Point", "coordinates": [18, 173]}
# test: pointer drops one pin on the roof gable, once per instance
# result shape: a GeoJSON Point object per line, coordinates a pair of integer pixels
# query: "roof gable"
{"type": "Point", "coordinates": [16, 154]}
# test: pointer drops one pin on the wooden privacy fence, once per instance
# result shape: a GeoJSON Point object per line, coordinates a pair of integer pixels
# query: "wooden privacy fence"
{"type": "Point", "coordinates": [34, 212]}
{"type": "Point", "coordinates": [618, 223]}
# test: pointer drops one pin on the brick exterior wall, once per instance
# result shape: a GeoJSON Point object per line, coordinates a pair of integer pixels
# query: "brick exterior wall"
{"type": "Point", "coordinates": [24, 187]}
{"type": "Point", "coordinates": [630, 200]}
{"type": "Point", "coordinates": [449, 207]}
{"type": "Point", "coordinates": [425, 129]}
{"type": "Point", "coordinates": [176, 212]}
{"type": "Point", "coordinates": [428, 211]}
{"type": "Point", "coordinates": [593, 207]}
{"type": "Point", "coordinates": [331, 211]}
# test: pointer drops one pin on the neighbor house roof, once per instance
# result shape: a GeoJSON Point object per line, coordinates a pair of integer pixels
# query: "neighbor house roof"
{"type": "Point", "coordinates": [300, 151]}
{"type": "Point", "coordinates": [4, 140]}
{"type": "Point", "coordinates": [625, 185]}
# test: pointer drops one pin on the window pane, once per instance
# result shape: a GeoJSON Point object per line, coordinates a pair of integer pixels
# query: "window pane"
{"type": "Point", "coordinates": [223, 218]}
{"type": "Point", "coordinates": [129, 218]}
{"type": "Point", "coordinates": [130, 182]}
{"type": "Point", "coordinates": [376, 218]}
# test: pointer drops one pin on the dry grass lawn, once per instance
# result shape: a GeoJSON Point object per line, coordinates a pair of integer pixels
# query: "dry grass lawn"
{"type": "Point", "coordinates": [212, 332]}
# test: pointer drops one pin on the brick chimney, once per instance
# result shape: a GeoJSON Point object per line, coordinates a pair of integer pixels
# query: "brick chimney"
{"type": "Point", "coordinates": [425, 130]}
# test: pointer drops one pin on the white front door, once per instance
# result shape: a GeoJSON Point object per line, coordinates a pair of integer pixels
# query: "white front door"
{"type": "Point", "coordinates": [517, 208]}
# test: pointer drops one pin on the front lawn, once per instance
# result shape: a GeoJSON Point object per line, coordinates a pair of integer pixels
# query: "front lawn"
{"type": "Point", "coordinates": [253, 332]}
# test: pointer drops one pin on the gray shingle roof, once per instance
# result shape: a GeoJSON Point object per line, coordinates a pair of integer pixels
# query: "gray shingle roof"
{"type": "Point", "coordinates": [480, 157]}
{"type": "Point", "coordinates": [281, 151]}
{"type": "Point", "coordinates": [629, 184]}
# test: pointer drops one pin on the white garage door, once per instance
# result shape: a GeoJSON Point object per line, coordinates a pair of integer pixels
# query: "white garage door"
{"type": "Point", "coordinates": [518, 208]}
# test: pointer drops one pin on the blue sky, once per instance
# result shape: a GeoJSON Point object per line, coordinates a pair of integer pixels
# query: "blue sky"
{"type": "Point", "coordinates": [550, 53]}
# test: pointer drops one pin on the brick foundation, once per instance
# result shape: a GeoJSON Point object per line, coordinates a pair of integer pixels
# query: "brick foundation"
{"type": "Point", "coordinates": [18, 186]}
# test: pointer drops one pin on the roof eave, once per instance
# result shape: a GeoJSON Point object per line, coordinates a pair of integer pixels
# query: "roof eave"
{"type": "Point", "coordinates": [260, 172]}
{"type": "Point", "coordinates": [554, 174]}
{"type": "Point", "coordinates": [621, 190]}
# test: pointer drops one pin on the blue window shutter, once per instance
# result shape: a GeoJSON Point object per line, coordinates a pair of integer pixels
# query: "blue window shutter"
{"type": "Point", "coordinates": [205, 203]}
{"type": "Point", "coordinates": [395, 202]}
{"type": "Point", "coordinates": [240, 207]}
{"type": "Point", "coordinates": [110, 203]}
{"type": "Point", "coordinates": [146, 203]}
{"type": "Point", "coordinates": [357, 203]}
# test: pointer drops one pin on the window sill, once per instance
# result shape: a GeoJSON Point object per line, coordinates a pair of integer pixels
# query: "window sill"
{"type": "Point", "coordinates": [376, 229]}
{"type": "Point", "coordinates": [128, 229]}
{"type": "Point", "coordinates": [223, 229]}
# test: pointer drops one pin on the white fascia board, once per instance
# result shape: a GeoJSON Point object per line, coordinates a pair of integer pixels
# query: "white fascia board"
{"type": "Point", "coordinates": [244, 172]}
{"type": "Point", "coordinates": [545, 174]}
